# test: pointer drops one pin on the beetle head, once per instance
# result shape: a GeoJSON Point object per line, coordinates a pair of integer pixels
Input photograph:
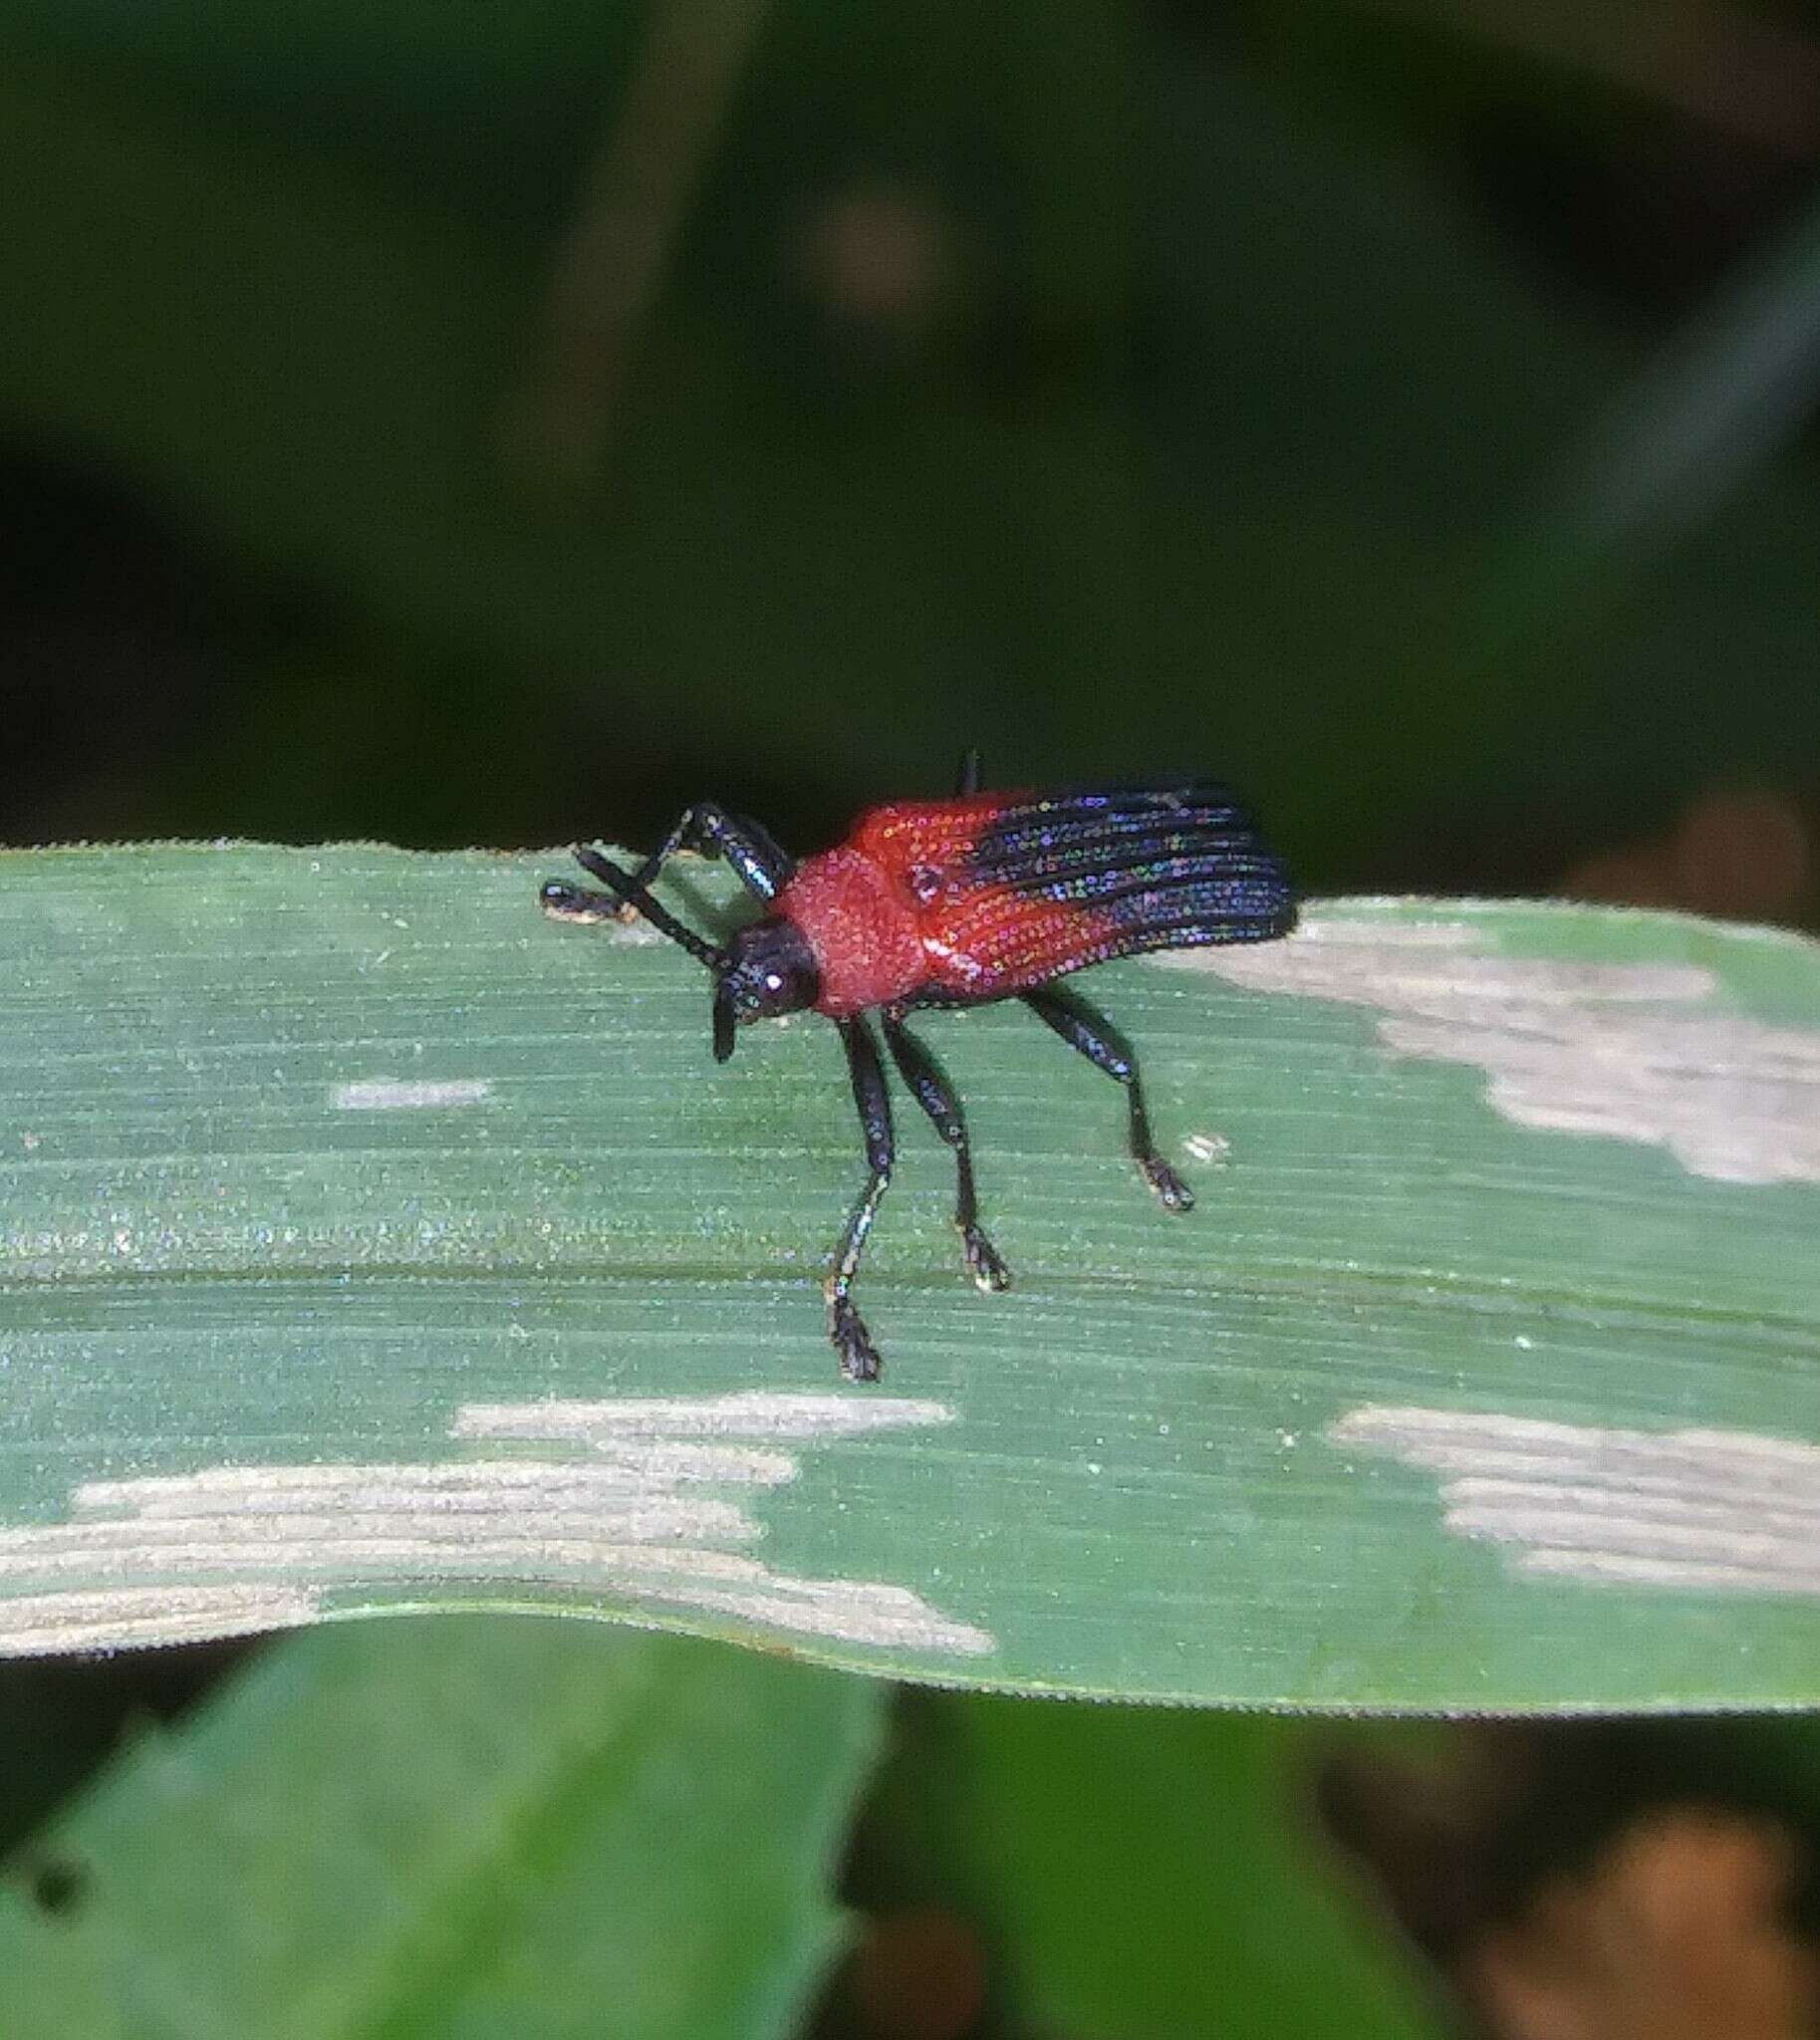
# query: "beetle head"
{"type": "Point", "coordinates": [766, 971]}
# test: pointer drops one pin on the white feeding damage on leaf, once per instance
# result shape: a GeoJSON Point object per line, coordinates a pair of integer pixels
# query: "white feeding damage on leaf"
{"type": "Point", "coordinates": [649, 1514]}
{"type": "Point", "coordinates": [753, 1413]}
{"type": "Point", "coordinates": [1211, 1149]}
{"type": "Point", "coordinates": [117, 1618]}
{"type": "Point", "coordinates": [398, 1093]}
{"type": "Point", "coordinates": [1706, 1511]}
{"type": "Point", "coordinates": [1635, 1052]}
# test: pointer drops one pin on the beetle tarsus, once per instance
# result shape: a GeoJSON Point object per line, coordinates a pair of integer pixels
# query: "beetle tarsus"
{"type": "Point", "coordinates": [846, 1329]}
{"type": "Point", "coordinates": [577, 902]}
{"type": "Point", "coordinates": [1172, 1192]}
{"type": "Point", "coordinates": [990, 1273]}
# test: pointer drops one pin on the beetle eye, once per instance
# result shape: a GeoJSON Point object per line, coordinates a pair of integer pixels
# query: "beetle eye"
{"type": "Point", "coordinates": [774, 983]}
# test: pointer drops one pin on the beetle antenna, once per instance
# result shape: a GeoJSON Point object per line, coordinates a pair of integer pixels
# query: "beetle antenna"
{"type": "Point", "coordinates": [629, 893]}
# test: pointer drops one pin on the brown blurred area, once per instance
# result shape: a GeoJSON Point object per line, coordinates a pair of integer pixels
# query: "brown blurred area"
{"type": "Point", "coordinates": [1736, 854]}
{"type": "Point", "coordinates": [1596, 1881]}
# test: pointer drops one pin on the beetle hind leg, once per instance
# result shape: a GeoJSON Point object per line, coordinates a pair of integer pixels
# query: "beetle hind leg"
{"type": "Point", "coordinates": [1085, 1031]}
{"type": "Point", "coordinates": [931, 1091]}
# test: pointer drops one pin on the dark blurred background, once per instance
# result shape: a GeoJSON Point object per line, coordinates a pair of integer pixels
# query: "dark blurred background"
{"type": "Point", "coordinates": [458, 423]}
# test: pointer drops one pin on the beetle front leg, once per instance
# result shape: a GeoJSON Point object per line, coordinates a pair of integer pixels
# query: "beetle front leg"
{"type": "Point", "coordinates": [761, 867]}
{"type": "Point", "coordinates": [706, 828]}
{"type": "Point", "coordinates": [1083, 1029]}
{"type": "Point", "coordinates": [845, 1327]}
{"type": "Point", "coordinates": [563, 902]}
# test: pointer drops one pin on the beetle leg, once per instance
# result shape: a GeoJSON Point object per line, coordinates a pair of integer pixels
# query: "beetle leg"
{"type": "Point", "coordinates": [931, 1091]}
{"type": "Point", "coordinates": [852, 1341]}
{"type": "Point", "coordinates": [761, 867]}
{"type": "Point", "coordinates": [576, 902]}
{"type": "Point", "coordinates": [1083, 1029]}
{"type": "Point", "coordinates": [563, 902]}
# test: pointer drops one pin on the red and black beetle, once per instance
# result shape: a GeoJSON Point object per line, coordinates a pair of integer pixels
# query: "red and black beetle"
{"type": "Point", "coordinates": [990, 896]}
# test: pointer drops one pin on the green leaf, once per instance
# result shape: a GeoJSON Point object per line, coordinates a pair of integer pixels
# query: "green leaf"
{"type": "Point", "coordinates": [457, 1829]}
{"type": "Point", "coordinates": [368, 1241]}
{"type": "Point", "coordinates": [1140, 1874]}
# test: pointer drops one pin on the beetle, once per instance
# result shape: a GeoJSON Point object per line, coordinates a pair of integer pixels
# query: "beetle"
{"type": "Point", "coordinates": [959, 903]}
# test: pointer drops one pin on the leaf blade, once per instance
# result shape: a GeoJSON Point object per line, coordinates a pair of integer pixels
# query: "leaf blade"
{"type": "Point", "coordinates": [340, 1174]}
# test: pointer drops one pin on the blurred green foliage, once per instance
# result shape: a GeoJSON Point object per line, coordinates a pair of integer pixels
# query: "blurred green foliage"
{"type": "Point", "coordinates": [488, 1828]}
{"type": "Point", "coordinates": [1082, 382]}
